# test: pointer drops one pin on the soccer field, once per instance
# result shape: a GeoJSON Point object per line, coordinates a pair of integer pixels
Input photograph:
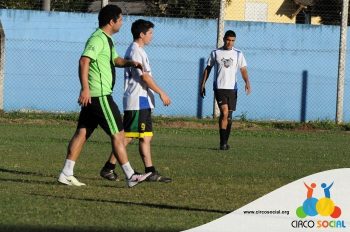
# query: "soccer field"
{"type": "Point", "coordinates": [207, 183]}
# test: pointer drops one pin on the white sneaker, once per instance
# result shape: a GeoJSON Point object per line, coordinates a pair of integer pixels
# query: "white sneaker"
{"type": "Point", "coordinates": [137, 178]}
{"type": "Point", "coordinates": [69, 180]}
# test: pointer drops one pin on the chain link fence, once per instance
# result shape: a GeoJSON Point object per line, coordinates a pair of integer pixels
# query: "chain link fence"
{"type": "Point", "coordinates": [326, 12]}
{"type": "Point", "coordinates": [291, 47]}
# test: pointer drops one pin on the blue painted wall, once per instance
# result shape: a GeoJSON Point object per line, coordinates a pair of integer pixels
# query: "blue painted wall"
{"type": "Point", "coordinates": [293, 68]}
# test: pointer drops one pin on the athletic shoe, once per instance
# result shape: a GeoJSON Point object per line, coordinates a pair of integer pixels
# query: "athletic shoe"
{"type": "Point", "coordinates": [69, 180]}
{"type": "Point", "coordinates": [156, 177]}
{"type": "Point", "coordinates": [137, 178]}
{"type": "Point", "coordinates": [224, 147]}
{"type": "Point", "coordinates": [109, 174]}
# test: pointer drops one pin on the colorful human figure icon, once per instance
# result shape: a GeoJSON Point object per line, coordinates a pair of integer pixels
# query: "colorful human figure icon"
{"type": "Point", "coordinates": [327, 192]}
{"type": "Point", "coordinates": [310, 189]}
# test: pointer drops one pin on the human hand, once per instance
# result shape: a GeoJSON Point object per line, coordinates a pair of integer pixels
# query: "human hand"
{"type": "Point", "coordinates": [202, 92]}
{"type": "Point", "coordinates": [137, 65]}
{"type": "Point", "coordinates": [248, 89]}
{"type": "Point", "coordinates": [84, 97]}
{"type": "Point", "coordinates": [165, 99]}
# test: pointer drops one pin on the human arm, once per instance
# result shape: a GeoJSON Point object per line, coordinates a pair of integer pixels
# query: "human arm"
{"type": "Point", "coordinates": [245, 77]}
{"type": "Point", "coordinates": [84, 97]}
{"type": "Point", "coordinates": [121, 62]}
{"type": "Point", "coordinates": [148, 79]}
{"type": "Point", "coordinates": [206, 73]}
{"type": "Point", "coordinates": [330, 185]}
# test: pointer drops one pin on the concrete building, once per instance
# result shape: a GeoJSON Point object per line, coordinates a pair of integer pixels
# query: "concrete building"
{"type": "Point", "coordinates": [277, 11]}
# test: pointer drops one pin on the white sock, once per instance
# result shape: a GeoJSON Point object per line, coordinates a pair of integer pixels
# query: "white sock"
{"type": "Point", "coordinates": [128, 171]}
{"type": "Point", "coordinates": [68, 167]}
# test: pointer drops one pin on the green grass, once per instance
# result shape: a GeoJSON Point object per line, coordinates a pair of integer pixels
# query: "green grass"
{"type": "Point", "coordinates": [208, 183]}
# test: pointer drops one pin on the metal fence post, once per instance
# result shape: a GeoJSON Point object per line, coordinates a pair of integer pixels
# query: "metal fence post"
{"type": "Point", "coordinates": [219, 43]}
{"type": "Point", "coordinates": [46, 5]}
{"type": "Point", "coordinates": [2, 62]}
{"type": "Point", "coordinates": [341, 66]}
{"type": "Point", "coordinates": [104, 3]}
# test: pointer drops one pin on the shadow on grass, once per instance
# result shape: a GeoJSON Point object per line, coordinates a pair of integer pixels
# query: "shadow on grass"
{"type": "Point", "coordinates": [150, 205]}
{"type": "Point", "coordinates": [31, 228]}
{"type": "Point", "coordinates": [53, 182]}
{"type": "Point", "coordinates": [24, 173]}
{"type": "Point", "coordinates": [28, 181]}
{"type": "Point", "coordinates": [161, 206]}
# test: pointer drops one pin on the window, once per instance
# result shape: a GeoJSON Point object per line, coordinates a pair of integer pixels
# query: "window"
{"type": "Point", "coordinates": [256, 11]}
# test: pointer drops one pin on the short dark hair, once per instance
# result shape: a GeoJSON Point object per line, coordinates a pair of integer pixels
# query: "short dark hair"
{"type": "Point", "coordinates": [230, 33]}
{"type": "Point", "coordinates": [139, 26]}
{"type": "Point", "coordinates": [107, 13]}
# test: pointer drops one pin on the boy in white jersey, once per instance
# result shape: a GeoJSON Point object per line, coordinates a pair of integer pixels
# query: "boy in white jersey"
{"type": "Point", "coordinates": [138, 101]}
{"type": "Point", "coordinates": [228, 60]}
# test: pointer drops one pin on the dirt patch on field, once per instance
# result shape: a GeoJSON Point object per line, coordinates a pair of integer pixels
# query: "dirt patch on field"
{"type": "Point", "coordinates": [192, 123]}
{"type": "Point", "coordinates": [205, 125]}
{"type": "Point", "coordinates": [185, 124]}
{"type": "Point", "coordinates": [195, 124]}
{"type": "Point", "coordinates": [25, 121]}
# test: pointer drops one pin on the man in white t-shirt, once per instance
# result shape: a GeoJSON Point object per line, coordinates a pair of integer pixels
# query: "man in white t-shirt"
{"type": "Point", "coordinates": [227, 61]}
{"type": "Point", "coordinates": [138, 102]}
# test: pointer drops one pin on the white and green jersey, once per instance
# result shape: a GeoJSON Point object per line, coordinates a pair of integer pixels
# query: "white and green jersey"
{"type": "Point", "coordinates": [227, 63]}
{"type": "Point", "coordinates": [98, 49]}
{"type": "Point", "coordinates": [137, 95]}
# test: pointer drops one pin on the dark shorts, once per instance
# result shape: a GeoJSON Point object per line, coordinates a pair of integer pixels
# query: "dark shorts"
{"type": "Point", "coordinates": [138, 123]}
{"type": "Point", "coordinates": [102, 111]}
{"type": "Point", "coordinates": [226, 96]}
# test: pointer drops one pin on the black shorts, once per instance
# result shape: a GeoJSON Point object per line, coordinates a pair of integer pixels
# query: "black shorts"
{"type": "Point", "coordinates": [138, 123]}
{"type": "Point", "coordinates": [226, 96]}
{"type": "Point", "coordinates": [102, 111]}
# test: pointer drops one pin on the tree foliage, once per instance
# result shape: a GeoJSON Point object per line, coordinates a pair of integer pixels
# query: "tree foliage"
{"type": "Point", "coordinates": [328, 10]}
{"type": "Point", "coordinates": [184, 8]}
{"type": "Point", "coordinates": [55, 5]}
{"type": "Point", "coordinates": [70, 5]}
{"type": "Point", "coordinates": [23, 4]}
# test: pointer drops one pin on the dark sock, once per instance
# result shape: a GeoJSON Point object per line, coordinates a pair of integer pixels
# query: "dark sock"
{"type": "Point", "coordinates": [109, 166]}
{"type": "Point", "coordinates": [228, 131]}
{"type": "Point", "coordinates": [150, 169]}
{"type": "Point", "coordinates": [223, 139]}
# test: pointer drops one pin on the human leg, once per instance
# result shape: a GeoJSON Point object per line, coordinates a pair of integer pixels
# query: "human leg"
{"type": "Point", "coordinates": [119, 151]}
{"type": "Point", "coordinates": [223, 124]}
{"type": "Point", "coordinates": [229, 125]}
{"type": "Point", "coordinates": [226, 100]}
{"type": "Point", "coordinates": [111, 123]}
{"type": "Point", "coordinates": [108, 170]}
{"type": "Point", "coordinates": [232, 102]}
{"type": "Point", "coordinates": [86, 126]}
{"type": "Point", "coordinates": [73, 151]}
{"type": "Point", "coordinates": [134, 128]}
{"type": "Point", "coordinates": [222, 101]}
{"type": "Point", "coordinates": [145, 153]}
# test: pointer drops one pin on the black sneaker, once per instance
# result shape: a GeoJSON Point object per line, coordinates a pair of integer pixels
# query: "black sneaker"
{"type": "Point", "coordinates": [224, 147]}
{"type": "Point", "coordinates": [109, 174]}
{"type": "Point", "coordinates": [156, 177]}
